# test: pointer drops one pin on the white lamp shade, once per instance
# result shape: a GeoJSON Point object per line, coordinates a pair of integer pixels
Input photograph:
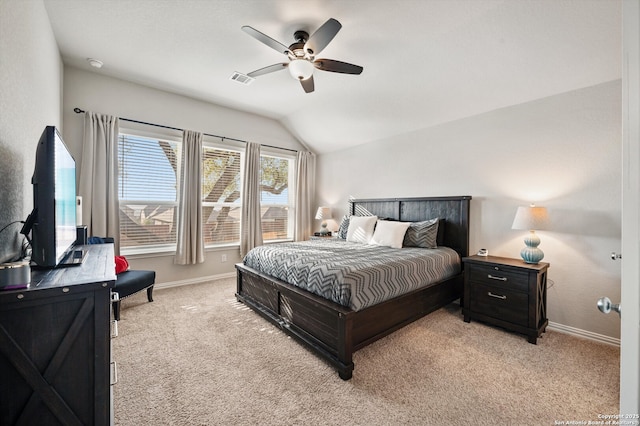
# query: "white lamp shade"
{"type": "Point", "coordinates": [323, 213]}
{"type": "Point", "coordinates": [531, 218]}
{"type": "Point", "coordinates": [300, 69]}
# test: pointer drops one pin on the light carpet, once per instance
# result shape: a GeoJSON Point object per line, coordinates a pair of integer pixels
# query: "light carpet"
{"type": "Point", "coordinates": [196, 356]}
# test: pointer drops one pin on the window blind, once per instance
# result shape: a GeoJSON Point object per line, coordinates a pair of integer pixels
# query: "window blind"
{"type": "Point", "coordinates": [274, 198]}
{"type": "Point", "coordinates": [147, 191]}
{"type": "Point", "coordinates": [221, 196]}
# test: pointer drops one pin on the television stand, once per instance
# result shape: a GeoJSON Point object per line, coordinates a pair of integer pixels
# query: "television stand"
{"type": "Point", "coordinates": [55, 345]}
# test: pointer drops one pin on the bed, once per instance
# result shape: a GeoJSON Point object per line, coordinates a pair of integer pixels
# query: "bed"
{"type": "Point", "coordinates": [334, 331]}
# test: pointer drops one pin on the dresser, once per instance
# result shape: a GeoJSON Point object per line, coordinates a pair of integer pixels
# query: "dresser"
{"type": "Point", "coordinates": [506, 292]}
{"type": "Point", "coordinates": [55, 348]}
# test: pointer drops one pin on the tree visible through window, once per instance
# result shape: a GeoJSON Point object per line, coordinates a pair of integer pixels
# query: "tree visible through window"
{"type": "Point", "coordinates": [221, 185]}
{"type": "Point", "coordinates": [274, 197]}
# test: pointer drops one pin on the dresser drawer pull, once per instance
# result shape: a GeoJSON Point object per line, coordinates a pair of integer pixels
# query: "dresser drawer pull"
{"type": "Point", "coordinates": [497, 278]}
{"type": "Point", "coordinates": [114, 373]}
{"type": "Point", "coordinates": [497, 296]}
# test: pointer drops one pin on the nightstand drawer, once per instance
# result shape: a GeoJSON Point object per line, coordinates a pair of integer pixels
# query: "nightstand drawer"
{"type": "Point", "coordinates": [500, 303]}
{"type": "Point", "coordinates": [496, 275]}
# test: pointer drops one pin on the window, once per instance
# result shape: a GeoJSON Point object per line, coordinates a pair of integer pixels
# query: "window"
{"type": "Point", "coordinates": [148, 179]}
{"type": "Point", "coordinates": [276, 174]}
{"type": "Point", "coordinates": [221, 202]}
{"type": "Point", "coordinates": [147, 190]}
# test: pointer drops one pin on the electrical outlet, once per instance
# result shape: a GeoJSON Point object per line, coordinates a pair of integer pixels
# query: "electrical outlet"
{"type": "Point", "coordinates": [223, 258]}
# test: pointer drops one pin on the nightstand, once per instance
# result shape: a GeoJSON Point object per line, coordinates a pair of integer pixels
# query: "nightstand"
{"type": "Point", "coordinates": [318, 237]}
{"type": "Point", "coordinates": [506, 292]}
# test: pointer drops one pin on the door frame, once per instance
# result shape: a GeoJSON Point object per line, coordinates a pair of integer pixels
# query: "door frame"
{"type": "Point", "coordinates": [630, 287]}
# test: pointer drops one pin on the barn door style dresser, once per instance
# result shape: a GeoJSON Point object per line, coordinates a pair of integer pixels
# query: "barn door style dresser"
{"type": "Point", "coordinates": [506, 292]}
{"type": "Point", "coordinates": [55, 348]}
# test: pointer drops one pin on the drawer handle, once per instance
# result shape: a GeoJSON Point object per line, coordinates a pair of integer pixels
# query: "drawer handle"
{"type": "Point", "coordinates": [114, 373]}
{"type": "Point", "coordinates": [497, 296]}
{"type": "Point", "coordinates": [497, 278]}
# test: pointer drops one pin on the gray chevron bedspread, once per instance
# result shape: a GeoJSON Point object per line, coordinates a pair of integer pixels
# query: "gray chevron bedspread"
{"type": "Point", "coordinates": [354, 274]}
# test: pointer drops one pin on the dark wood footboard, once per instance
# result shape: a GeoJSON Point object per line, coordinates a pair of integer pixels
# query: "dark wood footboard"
{"type": "Point", "coordinates": [332, 331]}
{"type": "Point", "coordinates": [335, 332]}
{"type": "Point", "coordinates": [323, 326]}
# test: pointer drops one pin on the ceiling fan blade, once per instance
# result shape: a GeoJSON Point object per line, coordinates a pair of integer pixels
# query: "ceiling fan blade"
{"type": "Point", "coordinates": [267, 70]}
{"type": "Point", "coordinates": [337, 66]}
{"type": "Point", "coordinates": [274, 44]}
{"type": "Point", "coordinates": [307, 84]}
{"type": "Point", "coordinates": [321, 38]}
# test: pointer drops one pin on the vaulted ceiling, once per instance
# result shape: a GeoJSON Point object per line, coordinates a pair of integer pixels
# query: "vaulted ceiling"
{"type": "Point", "coordinates": [425, 61]}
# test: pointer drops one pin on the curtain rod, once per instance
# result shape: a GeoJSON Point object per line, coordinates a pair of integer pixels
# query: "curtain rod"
{"type": "Point", "coordinates": [79, 111]}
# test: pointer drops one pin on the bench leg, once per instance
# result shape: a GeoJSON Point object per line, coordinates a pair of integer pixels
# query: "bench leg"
{"type": "Point", "coordinates": [116, 310]}
{"type": "Point", "coordinates": [150, 294]}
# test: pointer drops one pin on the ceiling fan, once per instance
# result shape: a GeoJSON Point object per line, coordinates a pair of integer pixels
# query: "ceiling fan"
{"type": "Point", "coordinates": [302, 60]}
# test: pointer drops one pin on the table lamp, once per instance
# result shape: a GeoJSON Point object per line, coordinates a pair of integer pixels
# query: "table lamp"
{"type": "Point", "coordinates": [323, 214]}
{"type": "Point", "coordinates": [531, 218]}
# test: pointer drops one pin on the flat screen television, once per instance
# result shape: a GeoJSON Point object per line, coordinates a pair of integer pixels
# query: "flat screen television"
{"type": "Point", "coordinates": [52, 223]}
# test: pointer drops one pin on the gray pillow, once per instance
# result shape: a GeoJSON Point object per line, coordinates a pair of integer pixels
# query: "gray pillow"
{"type": "Point", "coordinates": [422, 234]}
{"type": "Point", "coordinates": [344, 227]}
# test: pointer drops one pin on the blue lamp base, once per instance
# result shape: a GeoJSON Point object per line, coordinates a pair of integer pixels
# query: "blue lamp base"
{"type": "Point", "coordinates": [531, 253]}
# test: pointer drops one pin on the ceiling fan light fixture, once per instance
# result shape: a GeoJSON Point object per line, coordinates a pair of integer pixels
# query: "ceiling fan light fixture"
{"type": "Point", "coordinates": [300, 69]}
{"type": "Point", "coordinates": [302, 54]}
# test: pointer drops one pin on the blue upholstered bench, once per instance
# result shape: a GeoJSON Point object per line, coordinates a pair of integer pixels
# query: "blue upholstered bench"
{"type": "Point", "coordinates": [128, 282]}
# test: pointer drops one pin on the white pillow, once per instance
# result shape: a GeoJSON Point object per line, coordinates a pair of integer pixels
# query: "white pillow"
{"type": "Point", "coordinates": [390, 233]}
{"type": "Point", "coordinates": [361, 228]}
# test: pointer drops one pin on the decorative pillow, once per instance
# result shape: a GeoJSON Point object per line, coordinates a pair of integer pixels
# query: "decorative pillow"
{"type": "Point", "coordinates": [121, 264]}
{"type": "Point", "coordinates": [441, 226]}
{"type": "Point", "coordinates": [390, 234]}
{"type": "Point", "coordinates": [422, 234]}
{"type": "Point", "coordinates": [344, 227]}
{"type": "Point", "coordinates": [361, 228]}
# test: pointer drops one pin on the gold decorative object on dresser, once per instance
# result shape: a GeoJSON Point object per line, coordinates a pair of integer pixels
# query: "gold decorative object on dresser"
{"type": "Point", "coordinates": [506, 292]}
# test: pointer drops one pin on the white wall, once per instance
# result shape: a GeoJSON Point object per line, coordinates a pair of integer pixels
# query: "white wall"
{"type": "Point", "coordinates": [562, 152]}
{"type": "Point", "coordinates": [91, 91]}
{"type": "Point", "coordinates": [30, 100]}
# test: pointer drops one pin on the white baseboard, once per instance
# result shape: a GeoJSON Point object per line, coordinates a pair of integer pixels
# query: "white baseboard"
{"type": "Point", "coordinates": [583, 333]}
{"type": "Point", "coordinates": [198, 280]}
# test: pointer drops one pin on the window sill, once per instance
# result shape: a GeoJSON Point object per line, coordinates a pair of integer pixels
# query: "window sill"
{"type": "Point", "coordinates": [149, 252]}
{"type": "Point", "coordinates": [284, 240]}
{"type": "Point", "coordinates": [141, 253]}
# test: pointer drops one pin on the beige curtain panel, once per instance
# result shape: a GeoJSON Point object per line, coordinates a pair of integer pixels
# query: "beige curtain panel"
{"type": "Point", "coordinates": [98, 183]}
{"type": "Point", "coordinates": [305, 185]}
{"type": "Point", "coordinates": [250, 219]}
{"type": "Point", "coordinates": [190, 245]}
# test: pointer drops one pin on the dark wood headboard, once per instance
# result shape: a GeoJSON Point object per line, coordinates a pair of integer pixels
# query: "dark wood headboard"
{"type": "Point", "coordinates": [454, 211]}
